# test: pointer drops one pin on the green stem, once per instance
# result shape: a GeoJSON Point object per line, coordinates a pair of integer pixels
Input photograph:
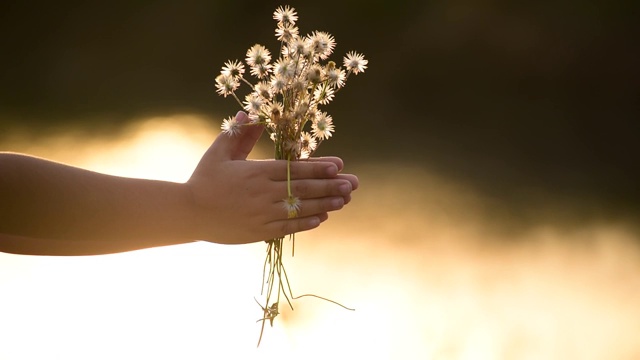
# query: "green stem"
{"type": "Point", "coordinates": [238, 100]}
{"type": "Point", "coordinates": [289, 175]}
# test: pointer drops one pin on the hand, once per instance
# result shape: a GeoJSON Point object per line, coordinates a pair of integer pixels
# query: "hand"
{"type": "Point", "coordinates": [241, 201]}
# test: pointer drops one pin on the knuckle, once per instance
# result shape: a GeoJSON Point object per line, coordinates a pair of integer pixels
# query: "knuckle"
{"type": "Point", "coordinates": [288, 227]}
{"type": "Point", "coordinates": [300, 188]}
{"type": "Point", "coordinates": [332, 204]}
{"type": "Point", "coordinates": [332, 187]}
{"type": "Point", "coordinates": [297, 169]}
{"type": "Point", "coordinates": [325, 205]}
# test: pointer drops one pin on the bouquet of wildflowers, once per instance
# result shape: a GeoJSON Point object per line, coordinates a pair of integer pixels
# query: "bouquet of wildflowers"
{"type": "Point", "coordinates": [286, 99]}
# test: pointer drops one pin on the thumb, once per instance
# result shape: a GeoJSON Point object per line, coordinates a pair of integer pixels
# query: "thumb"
{"type": "Point", "coordinates": [237, 146]}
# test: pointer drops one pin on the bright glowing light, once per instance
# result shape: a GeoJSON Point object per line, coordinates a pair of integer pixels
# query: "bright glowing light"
{"type": "Point", "coordinates": [163, 303]}
{"type": "Point", "coordinates": [432, 275]}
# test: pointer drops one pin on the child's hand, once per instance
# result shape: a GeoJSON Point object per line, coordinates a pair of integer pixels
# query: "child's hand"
{"type": "Point", "coordinates": [241, 201]}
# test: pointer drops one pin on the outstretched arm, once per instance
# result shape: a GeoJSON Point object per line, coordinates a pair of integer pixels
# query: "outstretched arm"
{"type": "Point", "coordinates": [52, 208]}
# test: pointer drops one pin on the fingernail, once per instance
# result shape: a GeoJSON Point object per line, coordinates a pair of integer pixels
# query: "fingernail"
{"type": "Point", "coordinates": [332, 170]}
{"type": "Point", "coordinates": [337, 203]}
{"type": "Point", "coordinates": [241, 117]}
{"type": "Point", "coordinates": [313, 222]}
{"type": "Point", "coordinates": [344, 189]}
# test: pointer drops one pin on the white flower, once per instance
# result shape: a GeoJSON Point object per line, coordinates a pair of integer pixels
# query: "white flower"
{"type": "Point", "coordinates": [261, 71]}
{"type": "Point", "coordinates": [299, 47]}
{"type": "Point", "coordinates": [254, 118]}
{"type": "Point", "coordinates": [285, 15]}
{"type": "Point", "coordinates": [323, 94]}
{"type": "Point", "coordinates": [293, 147]}
{"type": "Point", "coordinates": [292, 205]}
{"type": "Point", "coordinates": [308, 144]}
{"type": "Point", "coordinates": [355, 62]}
{"type": "Point", "coordinates": [263, 89]}
{"type": "Point", "coordinates": [298, 85]}
{"type": "Point", "coordinates": [233, 68]}
{"type": "Point", "coordinates": [258, 55]}
{"type": "Point", "coordinates": [278, 83]}
{"type": "Point", "coordinates": [226, 84]}
{"type": "Point", "coordinates": [275, 110]}
{"type": "Point", "coordinates": [253, 102]}
{"type": "Point", "coordinates": [322, 126]}
{"type": "Point", "coordinates": [230, 126]}
{"type": "Point", "coordinates": [286, 32]}
{"type": "Point", "coordinates": [314, 74]}
{"type": "Point", "coordinates": [335, 76]}
{"type": "Point", "coordinates": [284, 68]}
{"type": "Point", "coordinates": [321, 43]}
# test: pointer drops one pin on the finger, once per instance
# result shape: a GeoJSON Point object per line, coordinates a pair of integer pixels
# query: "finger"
{"type": "Point", "coordinates": [247, 138]}
{"type": "Point", "coordinates": [310, 207]}
{"type": "Point", "coordinates": [238, 146]}
{"type": "Point", "coordinates": [277, 170]}
{"type": "Point", "coordinates": [336, 160]}
{"type": "Point", "coordinates": [281, 228]}
{"type": "Point", "coordinates": [315, 188]}
{"type": "Point", "coordinates": [323, 217]}
{"type": "Point", "coordinates": [355, 183]}
{"type": "Point", "coordinates": [313, 207]}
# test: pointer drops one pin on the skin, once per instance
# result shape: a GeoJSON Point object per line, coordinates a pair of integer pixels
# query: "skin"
{"type": "Point", "coordinates": [49, 208]}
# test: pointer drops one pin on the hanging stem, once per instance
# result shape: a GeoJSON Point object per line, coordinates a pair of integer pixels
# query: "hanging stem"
{"type": "Point", "coordinates": [320, 297]}
{"type": "Point", "coordinates": [289, 175]}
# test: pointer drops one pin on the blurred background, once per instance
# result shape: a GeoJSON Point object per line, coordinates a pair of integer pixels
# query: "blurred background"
{"type": "Point", "coordinates": [496, 144]}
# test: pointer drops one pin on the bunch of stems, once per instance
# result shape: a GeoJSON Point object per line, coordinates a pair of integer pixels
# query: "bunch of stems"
{"type": "Point", "coordinates": [276, 275]}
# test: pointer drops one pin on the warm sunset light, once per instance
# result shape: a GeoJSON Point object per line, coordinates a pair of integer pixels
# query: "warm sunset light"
{"type": "Point", "coordinates": [434, 271]}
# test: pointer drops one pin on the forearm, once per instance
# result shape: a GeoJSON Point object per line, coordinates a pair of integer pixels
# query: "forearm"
{"type": "Point", "coordinates": [48, 208]}
{"type": "Point", "coordinates": [44, 199]}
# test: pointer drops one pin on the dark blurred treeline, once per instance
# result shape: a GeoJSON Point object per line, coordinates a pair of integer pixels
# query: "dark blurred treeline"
{"type": "Point", "coordinates": [514, 98]}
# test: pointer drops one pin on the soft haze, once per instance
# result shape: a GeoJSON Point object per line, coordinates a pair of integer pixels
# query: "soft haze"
{"type": "Point", "coordinates": [496, 149]}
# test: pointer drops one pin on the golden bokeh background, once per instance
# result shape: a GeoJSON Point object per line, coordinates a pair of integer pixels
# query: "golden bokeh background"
{"type": "Point", "coordinates": [434, 270]}
{"type": "Point", "coordinates": [495, 142]}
